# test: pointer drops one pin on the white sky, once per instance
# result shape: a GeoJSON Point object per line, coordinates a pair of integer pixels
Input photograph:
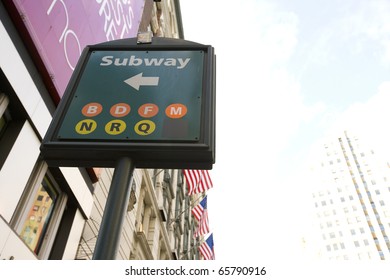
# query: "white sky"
{"type": "Point", "coordinates": [288, 72]}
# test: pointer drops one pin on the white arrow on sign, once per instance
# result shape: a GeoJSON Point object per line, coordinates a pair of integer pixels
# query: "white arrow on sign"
{"type": "Point", "coordinates": [138, 80]}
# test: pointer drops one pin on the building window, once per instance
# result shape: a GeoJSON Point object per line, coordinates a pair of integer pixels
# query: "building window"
{"type": "Point", "coordinates": [185, 239]}
{"type": "Point", "coordinates": [4, 114]}
{"type": "Point", "coordinates": [177, 236]}
{"type": "Point", "coordinates": [12, 118]}
{"type": "Point", "coordinates": [6, 122]}
{"type": "Point", "coordinates": [38, 216]}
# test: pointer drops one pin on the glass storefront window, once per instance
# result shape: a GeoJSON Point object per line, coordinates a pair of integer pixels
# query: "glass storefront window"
{"type": "Point", "coordinates": [36, 222]}
{"type": "Point", "coordinates": [38, 215]}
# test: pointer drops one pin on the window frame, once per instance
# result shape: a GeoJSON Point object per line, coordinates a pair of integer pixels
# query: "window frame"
{"type": "Point", "coordinates": [21, 213]}
{"type": "Point", "coordinates": [14, 118]}
{"type": "Point", "coordinates": [4, 101]}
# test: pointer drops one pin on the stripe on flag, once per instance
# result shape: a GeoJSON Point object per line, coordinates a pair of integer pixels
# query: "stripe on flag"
{"type": "Point", "coordinates": [207, 248]}
{"type": "Point", "coordinates": [197, 211]}
{"type": "Point", "coordinates": [203, 226]}
{"type": "Point", "coordinates": [198, 181]}
{"type": "Point", "coordinates": [200, 213]}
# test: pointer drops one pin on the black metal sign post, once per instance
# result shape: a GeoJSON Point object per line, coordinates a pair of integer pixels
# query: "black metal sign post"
{"type": "Point", "coordinates": [114, 211]}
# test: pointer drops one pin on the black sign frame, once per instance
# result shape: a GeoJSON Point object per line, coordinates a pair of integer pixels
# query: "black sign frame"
{"type": "Point", "coordinates": [198, 154]}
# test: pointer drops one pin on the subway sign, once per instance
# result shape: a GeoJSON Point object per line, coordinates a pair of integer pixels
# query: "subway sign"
{"type": "Point", "coordinates": [154, 103]}
{"type": "Point", "coordinates": [144, 95]}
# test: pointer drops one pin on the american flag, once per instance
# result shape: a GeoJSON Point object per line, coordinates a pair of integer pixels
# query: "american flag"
{"type": "Point", "coordinates": [198, 181]}
{"type": "Point", "coordinates": [198, 210]}
{"type": "Point", "coordinates": [201, 215]}
{"type": "Point", "coordinates": [207, 248]}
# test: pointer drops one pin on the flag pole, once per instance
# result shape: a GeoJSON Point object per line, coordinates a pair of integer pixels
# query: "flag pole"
{"type": "Point", "coordinates": [196, 244]}
{"type": "Point", "coordinates": [182, 212]}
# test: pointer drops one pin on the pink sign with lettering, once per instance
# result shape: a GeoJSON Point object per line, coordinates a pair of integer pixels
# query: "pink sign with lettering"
{"type": "Point", "coordinates": [61, 29]}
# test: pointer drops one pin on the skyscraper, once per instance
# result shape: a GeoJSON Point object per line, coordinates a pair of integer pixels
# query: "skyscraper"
{"type": "Point", "coordinates": [350, 186]}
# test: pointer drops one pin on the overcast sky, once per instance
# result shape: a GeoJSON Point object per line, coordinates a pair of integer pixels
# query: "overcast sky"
{"type": "Point", "coordinates": [288, 72]}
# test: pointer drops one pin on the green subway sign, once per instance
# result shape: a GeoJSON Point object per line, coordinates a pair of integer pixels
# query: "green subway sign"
{"type": "Point", "coordinates": [145, 101]}
{"type": "Point", "coordinates": [135, 95]}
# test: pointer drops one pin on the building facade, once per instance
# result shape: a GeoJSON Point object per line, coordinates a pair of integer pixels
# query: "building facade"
{"type": "Point", "coordinates": [351, 193]}
{"type": "Point", "coordinates": [55, 213]}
